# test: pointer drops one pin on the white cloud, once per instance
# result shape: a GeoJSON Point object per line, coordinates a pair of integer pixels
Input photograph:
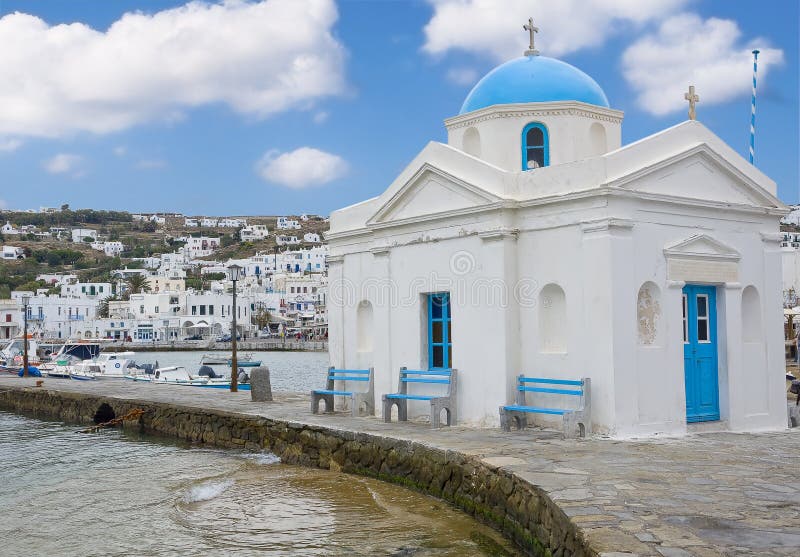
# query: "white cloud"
{"type": "Point", "coordinates": [120, 151]}
{"type": "Point", "coordinates": [488, 28]}
{"type": "Point", "coordinates": [321, 117]}
{"type": "Point", "coordinates": [462, 76]}
{"type": "Point", "coordinates": [9, 145]}
{"type": "Point", "coordinates": [301, 168]}
{"type": "Point", "coordinates": [65, 163]}
{"type": "Point", "coordinates": [686, 49]}
{"type": "Point", "coordinates": [257, 58]}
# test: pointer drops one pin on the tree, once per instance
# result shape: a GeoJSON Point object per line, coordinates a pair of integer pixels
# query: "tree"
{"type": "Point", "coordinates": [103, 307]}
{"type": "Point", "coordinates": [137, 284]}
{"type": "Point", "coordinates": [261, 317]}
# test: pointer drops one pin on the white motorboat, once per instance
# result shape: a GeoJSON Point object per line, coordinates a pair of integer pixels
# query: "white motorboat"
{"type": "Point", "coordinates": [85, 370]}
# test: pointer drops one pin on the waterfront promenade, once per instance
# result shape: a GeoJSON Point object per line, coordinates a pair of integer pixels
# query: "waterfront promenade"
{"type": "Point", "coordinates": [704, 494]}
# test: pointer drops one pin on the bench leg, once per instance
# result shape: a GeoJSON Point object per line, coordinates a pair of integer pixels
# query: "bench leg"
{"type": "Point", "coordinates": [316, 397]}
{"type": "Point", "coordinates": [504, 425]}
{"type": "Point", "coordinates": [507, 417]}
{"type": "Point", "coordinates": [437, 405]}
{"type": "Point", "coordinates": [576, 425]}
{"type": "Point", "coordinates": [402, 409]}
{"type": "Point", "coordinates": [366, 399]}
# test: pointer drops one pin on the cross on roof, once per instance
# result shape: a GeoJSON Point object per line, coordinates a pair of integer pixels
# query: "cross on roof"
{"type": "Point", "coordinates": [530, 28]}
{"type": "Point", "coordinates": [693, 100]}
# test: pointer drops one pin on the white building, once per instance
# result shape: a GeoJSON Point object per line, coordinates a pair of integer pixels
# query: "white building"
{"type": "Point", "coordinates": [111, 249]}
{"type": "Point", "coordinates": [8, 229]}
{"type": "Point", "coordinates": [13, 252]}
{"type": "Point", "coordinates": [159, 219]}
{"type": "Point", "coordinates": [10, 319]}
{"type": "Point", "coordinates": [56, 316]}
{"type": "Point", "coordinates": [81, 234]}
{"type": "Point", "coordinates": [87, 290]}
{"type": "Point", "coordinates": [191, 223]}
{"type": "Point", "coordinates": [209, 222]}
{"type": "Point", "coordinates": [231, 223]}
{"type": "Point", "coordinates": [285, 223]}
{"type": "Point", "coordinates": [254, 232]}
{"type": "Point", "coordinates": [311, 238]}
{"type": "Point", "coordinates": [201, 246]}
{"type": "Point", "coordinates": [139, 218]}
{"type": "Point", "coordinates": [534, 242]}
{"type": "Point", "coordinates": [285, 240]}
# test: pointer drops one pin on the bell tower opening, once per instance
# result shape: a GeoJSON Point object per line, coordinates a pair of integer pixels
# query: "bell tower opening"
{"type": "Point", "coordinates": [535, 146]}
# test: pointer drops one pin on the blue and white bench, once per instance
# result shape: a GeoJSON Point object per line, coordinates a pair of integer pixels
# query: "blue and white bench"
{"type": "Point", "coordinates": [577, 420]}
{"type": "Point", "coordinates": [357, 398]}
{"type": "Point", "coordinates": [438, 402]}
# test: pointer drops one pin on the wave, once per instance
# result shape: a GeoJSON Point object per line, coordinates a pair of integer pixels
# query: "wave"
{"type": "Point", "coordinates": [206, 491]}
{"type": "Point", "coordinates": [263, 458]}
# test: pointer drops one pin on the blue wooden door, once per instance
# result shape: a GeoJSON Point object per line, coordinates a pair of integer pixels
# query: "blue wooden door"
{"type": "Point", "coordinates": [700, 353]}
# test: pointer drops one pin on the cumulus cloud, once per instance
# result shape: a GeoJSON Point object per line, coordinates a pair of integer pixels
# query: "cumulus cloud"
{"type": "Point", "coordinates": [484, 27]}
{"type": "Point", "coordinates": [9, 145]}
{"type": "Point", "coordinates": [258, 58]}
{"type": "Point", "coordinates": [709, 54]}
{"type": "Point", "coordinates": [301, 168]}
{"type": "Point", "coordinates": [65, 163]}
{"type": "Point", "coordinates": [462, 76]}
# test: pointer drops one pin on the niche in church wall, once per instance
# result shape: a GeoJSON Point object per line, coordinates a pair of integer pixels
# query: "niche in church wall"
{"type": "Point", "coordinates": [597, 139]}
{"type": "Point", "coordinates": [552, 319]}
{"type": "Point", "coordinates": [472, 142]}
{"type": "Point", "coordinates": [364, 326]}
{"type": "Point", "coordinates": [648, 314]}
{"type": "Point", "coordinates": [754, 357]}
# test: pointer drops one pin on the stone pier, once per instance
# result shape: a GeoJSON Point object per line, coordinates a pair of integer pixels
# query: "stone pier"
{"type": "Point", "coordinates": [705, 494]}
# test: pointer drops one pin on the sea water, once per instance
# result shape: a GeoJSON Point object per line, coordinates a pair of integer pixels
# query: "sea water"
{"type": "Point", "coordinates": [115, 493]}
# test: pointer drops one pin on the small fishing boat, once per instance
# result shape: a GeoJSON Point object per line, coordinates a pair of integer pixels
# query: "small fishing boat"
{"type": "Point", "coordinates": [245, 363]}
{"type": "Point", "coordinates": [85, 370]}
{"type": "Point", "coordinates": [245, 359]}
{"type": "Point", "coordinates": [12, 355]}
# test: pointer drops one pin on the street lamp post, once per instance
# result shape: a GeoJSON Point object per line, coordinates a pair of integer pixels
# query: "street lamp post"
{"type": "Point", "coordinates": [25, 301]}
{"type": "Point", "coordinates": [234, 274]}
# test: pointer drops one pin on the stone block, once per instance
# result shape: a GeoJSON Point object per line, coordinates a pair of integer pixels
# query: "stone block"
{"type": "Point", "coordinates": [260, 385]}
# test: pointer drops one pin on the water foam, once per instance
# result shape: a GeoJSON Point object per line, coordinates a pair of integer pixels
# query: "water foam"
{"type": "Point", "coordinates": [206, 490]}
{"type": "Point", "coordinates": [263, 458]}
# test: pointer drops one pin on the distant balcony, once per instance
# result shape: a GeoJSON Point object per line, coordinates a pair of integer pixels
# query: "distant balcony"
{"type": "Point", "coordinates": [76, 317]}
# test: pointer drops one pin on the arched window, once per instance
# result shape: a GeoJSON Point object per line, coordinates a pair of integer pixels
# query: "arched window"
{"type": "Point", "coordinates": [535, 146]}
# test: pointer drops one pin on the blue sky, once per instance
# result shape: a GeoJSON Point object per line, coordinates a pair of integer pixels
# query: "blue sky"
{"type": "Point", "coordinates": [309, 105]}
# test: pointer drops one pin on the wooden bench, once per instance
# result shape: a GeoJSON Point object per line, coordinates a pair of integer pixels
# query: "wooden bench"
{"type": "Point", "coordinates": [438, 402]}
{"type": "Point", "coordinates": [576, 421]}
{"type": "Point", "coordinates": [356, 397]}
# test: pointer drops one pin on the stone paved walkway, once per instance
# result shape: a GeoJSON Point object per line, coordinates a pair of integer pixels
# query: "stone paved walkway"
{"type": "Point", "coordinates": [704, 494]}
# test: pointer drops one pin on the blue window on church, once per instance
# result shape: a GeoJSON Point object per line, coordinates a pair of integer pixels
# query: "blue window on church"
{"type": "Point", "coordinates": [440, 345]}
{"type": "Point", "coordinates": [535, 147]}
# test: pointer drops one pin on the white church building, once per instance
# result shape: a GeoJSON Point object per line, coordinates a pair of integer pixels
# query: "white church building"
{"type": "Point", "coordinates": [534, 243]}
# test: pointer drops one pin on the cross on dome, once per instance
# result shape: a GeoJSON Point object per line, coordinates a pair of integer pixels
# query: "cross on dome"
{"type": "Point", "coordinates": [531, 29]}
{"type": "Point", "coordinates": [693, 100]}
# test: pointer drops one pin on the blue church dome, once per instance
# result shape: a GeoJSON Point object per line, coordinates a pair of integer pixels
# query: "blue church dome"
{"type": "Point", "coordinates": [533, 79]}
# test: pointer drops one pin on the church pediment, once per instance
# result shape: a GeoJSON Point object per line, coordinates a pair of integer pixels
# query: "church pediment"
{"type": "Point", "coordinates": [699, 173]}
{"type": "Point", "coordinates": [431, 191]}
{"type": "Point", "coordinates": [701, 246]}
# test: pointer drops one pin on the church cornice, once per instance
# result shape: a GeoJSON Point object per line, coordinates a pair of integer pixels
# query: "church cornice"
{"type": "Point", "coordinates": [527, 110]}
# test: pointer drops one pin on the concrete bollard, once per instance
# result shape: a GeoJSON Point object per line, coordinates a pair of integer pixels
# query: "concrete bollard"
{"type": "Point", "coordinates": [260, 386]}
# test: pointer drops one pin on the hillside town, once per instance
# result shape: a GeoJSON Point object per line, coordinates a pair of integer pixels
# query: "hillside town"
{"type": "Point", "coordinates": [179, 296]}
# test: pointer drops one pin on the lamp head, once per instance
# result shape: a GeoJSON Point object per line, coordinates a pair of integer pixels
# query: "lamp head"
{"type": "Point", "coordinates": [235, 272]}
{"type": "Point", "coordinates": [26, 300]}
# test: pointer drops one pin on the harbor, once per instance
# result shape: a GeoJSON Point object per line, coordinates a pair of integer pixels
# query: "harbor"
{"type": "Point", "coordinates": [709, 493]}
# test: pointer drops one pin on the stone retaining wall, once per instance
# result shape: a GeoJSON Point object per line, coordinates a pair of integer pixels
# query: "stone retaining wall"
{"type": "Point", "coordinates": [514, 507]}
